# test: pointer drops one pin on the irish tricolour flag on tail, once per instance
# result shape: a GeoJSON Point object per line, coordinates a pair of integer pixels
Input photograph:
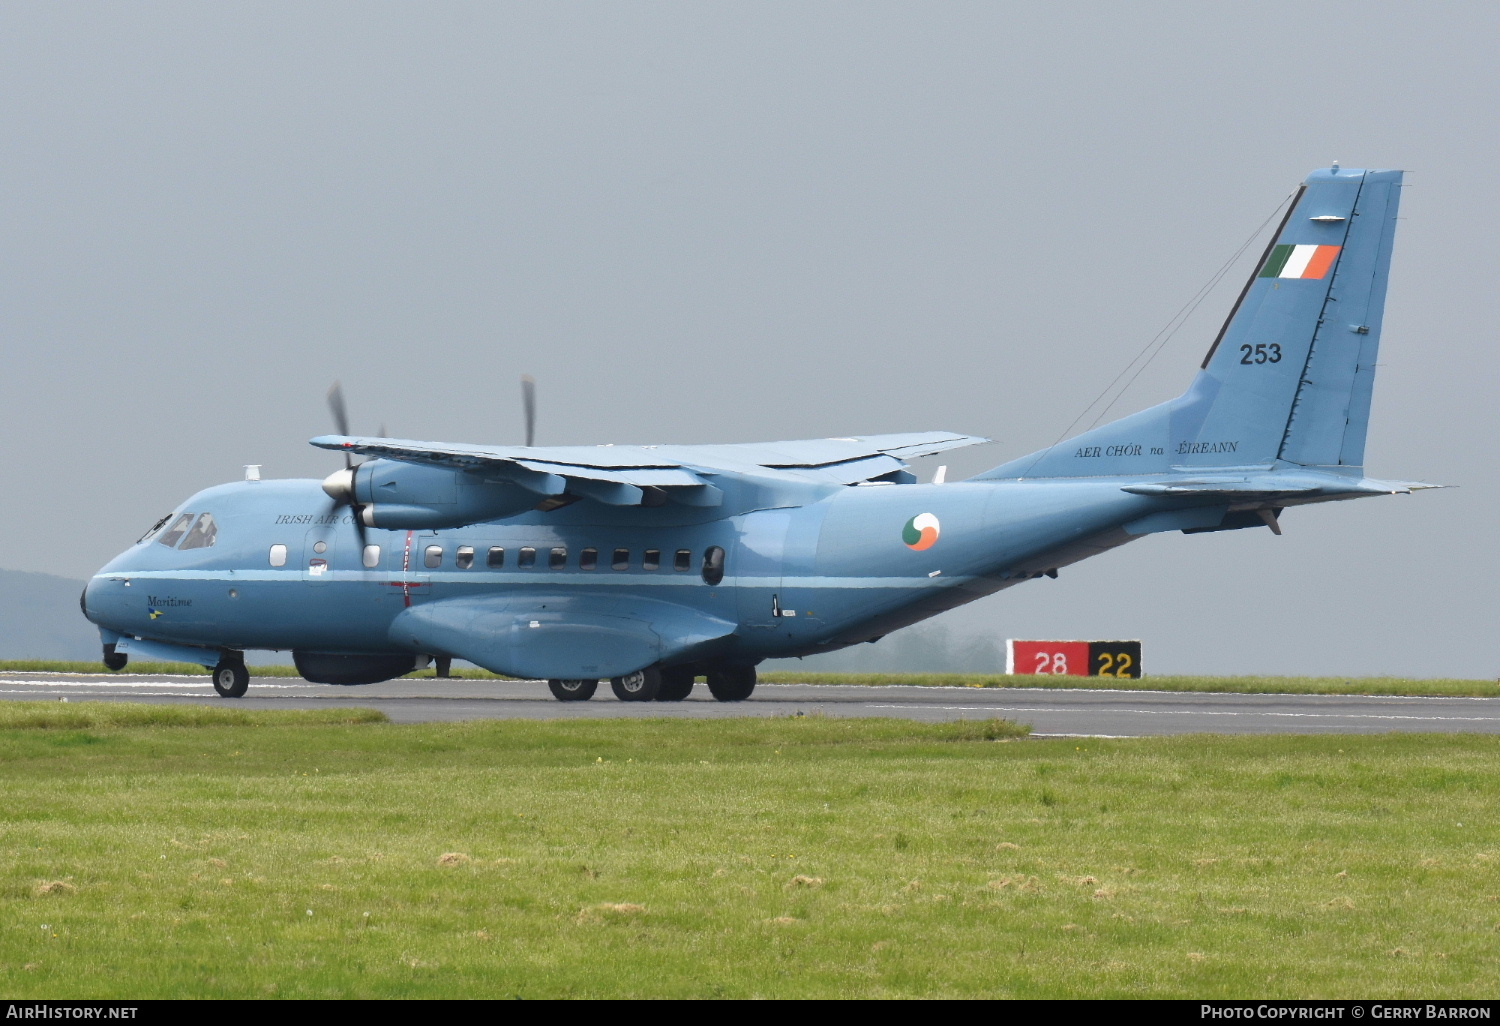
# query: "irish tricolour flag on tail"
{"type": "Point", "coordinates": [1299, 261]}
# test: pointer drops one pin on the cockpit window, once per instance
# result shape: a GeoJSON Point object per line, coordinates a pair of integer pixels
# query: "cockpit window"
{"type": "Point", "coordinates": [203, 533]}
{"type": "Point", "coordinates": [179, 527]}
{"type": "Point", "coordinates": [154, 528]}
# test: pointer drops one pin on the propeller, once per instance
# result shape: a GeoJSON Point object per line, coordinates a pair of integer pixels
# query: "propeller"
{"type": "Point", "coordinates": [528, 405]}
{"type": "Point", "coordinates": [340, 484]}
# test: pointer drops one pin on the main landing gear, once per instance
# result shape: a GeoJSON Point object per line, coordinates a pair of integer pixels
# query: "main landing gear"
{"type": "Point", "coordinates": [573, 690]}
{"type": "Point", "coordinates": [231, 679]}
{"type": "Point", "coordinates": [663, 684]}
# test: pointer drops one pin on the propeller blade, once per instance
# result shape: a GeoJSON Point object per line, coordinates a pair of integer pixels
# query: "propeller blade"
{"type": "Point", "coordinates": [528, 404]}
{"type": "Point", "coordinates": [340, 415]}
{"type": "Point", "coordinates": [337, 408]}
{"type": "Point", "coordinates": [343, 494]}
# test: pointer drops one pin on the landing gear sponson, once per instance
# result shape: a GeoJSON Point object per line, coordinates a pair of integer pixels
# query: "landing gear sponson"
{"type": "Point", "coordinates": [663, 684]}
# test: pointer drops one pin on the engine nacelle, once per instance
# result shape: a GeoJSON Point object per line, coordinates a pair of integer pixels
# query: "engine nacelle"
{"type": "Point", "coordinates": [407, 496]}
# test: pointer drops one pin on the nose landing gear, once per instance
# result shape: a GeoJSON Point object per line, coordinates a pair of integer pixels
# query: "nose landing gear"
{"type": "Point", "coordinates": [231, 679]}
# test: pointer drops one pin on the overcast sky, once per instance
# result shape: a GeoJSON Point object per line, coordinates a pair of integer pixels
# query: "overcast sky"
{"type": "Point", "coordinates": [737, 221]}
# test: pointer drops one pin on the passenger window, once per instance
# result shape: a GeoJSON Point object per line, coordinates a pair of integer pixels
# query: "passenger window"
{"type": "Point", "coordinates": [177, 530]}
{"type": "Point", "coordinates": [651, 559]}
{"type": "Point", "coordinates": [713, 565]}
{"type": "Point", "coordinates": [278, 555]}
{"type": "Point", "coordinates": [433, 556]}
{"type": "Point", "coordinates": [621, 560]}
{"type": "Point", "coordinates": [496, 557]}
{"type": "Point", "coordinates": [683, 561]}
{"type": "Point", "coordinates": [526, 557]}
{"type": "Point", "coordinates": [372, 556]}
{"type": "Point", "coordinates": [154, 528]}
{"type": "Point", "coordinates": [588, 559]}
{"type": "Point", "coordinates": [558, 558]}
{"type": "Point", "coordinates": [203, 533]}
{"type": "Point", "coordinates": [463, 557]}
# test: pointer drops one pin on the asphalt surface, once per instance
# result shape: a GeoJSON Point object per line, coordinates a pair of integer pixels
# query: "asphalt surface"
{"type": "Point", "coordinates": [1050, 712]}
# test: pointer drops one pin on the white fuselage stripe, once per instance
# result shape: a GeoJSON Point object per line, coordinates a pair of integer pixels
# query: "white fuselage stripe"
{"type": "Point", "coordinates": [534, 578]}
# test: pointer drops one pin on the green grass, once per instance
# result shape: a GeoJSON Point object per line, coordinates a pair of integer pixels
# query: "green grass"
{"type": "Point", "coordinates": [807, 857]}
{"type": "Point", "coordinates": [1235, 685]}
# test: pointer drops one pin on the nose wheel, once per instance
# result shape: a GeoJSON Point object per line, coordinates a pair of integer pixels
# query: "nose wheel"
{"type": "Point", "coordinates": [231, 679]}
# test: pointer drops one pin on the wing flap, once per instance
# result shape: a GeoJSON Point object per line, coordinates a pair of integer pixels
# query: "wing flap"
{"type": "Point", "coordinates": [620, 474]}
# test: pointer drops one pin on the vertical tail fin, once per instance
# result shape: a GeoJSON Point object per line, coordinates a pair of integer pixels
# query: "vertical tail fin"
{"type": "Point", "coordinates": [1289, 376]}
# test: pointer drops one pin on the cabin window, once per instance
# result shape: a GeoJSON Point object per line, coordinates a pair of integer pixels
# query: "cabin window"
{"type": "Point", "coordinates": [588, 559]}
{"type": "Point", "coordinates": [683, 561]}
{"type": "Point", "coordinates": [177, 530]}
{"type": "Point", "coordinates": [526, 557]}
{"type": "Point", "coordinates": [496, 557]}
{"type": "Point", "coordinates": [557, 559]}
{"type": "Point", "coordinates": [651, 559]}
{"type": "Point", "coordinates": [463, 557]}
{"type": "Point", "coordinates": [621, 560]}
{"type": "Point", "coordinates": [320, 547]}
{"type": "Point", "coordinates": [154, 529]}
{"type": "Point", "coordinates": [278, 555]}
{"type": "Point", "coordinates": [713, 565]}
{"type": "Point", "coordinates": [203, 533]}
{"type": "Point", "coordinates": [433, 557]}
{"type": "Point", "coordinates": [371, 557]}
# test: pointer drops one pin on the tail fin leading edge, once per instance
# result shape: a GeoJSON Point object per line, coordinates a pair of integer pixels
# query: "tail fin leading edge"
{"type": "Point", "coordinates": [1289, 377]}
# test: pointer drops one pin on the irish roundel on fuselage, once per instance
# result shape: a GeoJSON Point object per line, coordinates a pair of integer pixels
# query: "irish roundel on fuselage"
{"type": "Point", "coordinates": [921, 532]}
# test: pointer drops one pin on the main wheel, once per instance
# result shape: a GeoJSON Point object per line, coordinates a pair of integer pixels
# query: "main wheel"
{"type": "Point", "coordinates": [573, 690]}
{"type": "Point", "coordinates": [231, 679]}
{"type": "Point", "coordinates": [732, 683]}
{"type": "Point", "coordinates": [676, 684]}
{"type": "Point", "coordinates": [640, 686]}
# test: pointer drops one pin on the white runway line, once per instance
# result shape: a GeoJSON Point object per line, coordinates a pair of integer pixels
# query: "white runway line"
{"type": "Point", "coordinates": [1189, 712]}
{"type": "Point", "coordinates": [107, 685]}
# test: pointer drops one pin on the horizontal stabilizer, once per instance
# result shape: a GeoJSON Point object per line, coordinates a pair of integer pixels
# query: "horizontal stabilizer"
{"type": "Point", "coordinates": [1275, 486]}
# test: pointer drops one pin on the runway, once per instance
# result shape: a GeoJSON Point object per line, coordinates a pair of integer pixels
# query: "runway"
{"type": "Point", "coordinates": [1092, 713]}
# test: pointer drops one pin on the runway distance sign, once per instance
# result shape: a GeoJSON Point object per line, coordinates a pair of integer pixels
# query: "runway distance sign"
{"type": "Point", "coordinates": [1074, 658]}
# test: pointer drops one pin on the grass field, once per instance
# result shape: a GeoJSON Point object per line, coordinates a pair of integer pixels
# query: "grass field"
{"type": "Point", "coordinates": [154, 852]}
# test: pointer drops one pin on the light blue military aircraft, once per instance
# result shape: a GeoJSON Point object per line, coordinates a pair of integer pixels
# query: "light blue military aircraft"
{"type": "Point", "coordinates": [651, 566]}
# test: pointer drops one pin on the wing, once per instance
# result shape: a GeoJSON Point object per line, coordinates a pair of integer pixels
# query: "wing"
{"type": "Point", "coordinates": [617, 474]}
